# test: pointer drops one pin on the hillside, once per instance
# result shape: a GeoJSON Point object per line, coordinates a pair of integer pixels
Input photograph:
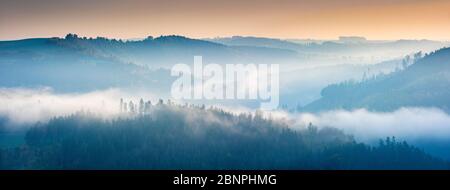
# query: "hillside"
{"type": "Point", "coordinates": [163, 51]}
{"type": "Point", "coordinates": [75, 64]}
{"type": "Point", "coordinates": [426, 83]}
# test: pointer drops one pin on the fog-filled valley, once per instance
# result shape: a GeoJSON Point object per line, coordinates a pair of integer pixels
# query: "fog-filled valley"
{"type": "Point", "coordinates": [99, 103]}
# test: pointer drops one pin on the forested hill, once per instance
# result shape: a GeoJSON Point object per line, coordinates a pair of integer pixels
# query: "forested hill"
{"type": "Point", "coordinates": [181, 137]}
{"type": "Point", "coordinates": [77, 64]}
{"type": "Point", "coordinates": [163, 51]}
{"type": "Point", "coordinates": [426, 83]}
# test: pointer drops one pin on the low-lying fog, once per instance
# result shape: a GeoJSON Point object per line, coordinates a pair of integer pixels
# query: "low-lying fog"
{"type": "Point", "coordinates": [26, 106]}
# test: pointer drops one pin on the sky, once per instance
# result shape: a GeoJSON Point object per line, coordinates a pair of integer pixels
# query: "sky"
{"type": "Point", "coordinates": [300, 19]}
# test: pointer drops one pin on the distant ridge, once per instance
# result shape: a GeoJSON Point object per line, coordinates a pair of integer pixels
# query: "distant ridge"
{"type": "Point", "coordinates": [349, 45]}
{"type": "Point", "coordinates": [78, 63]}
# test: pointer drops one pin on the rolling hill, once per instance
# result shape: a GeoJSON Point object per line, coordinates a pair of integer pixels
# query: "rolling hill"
{"type": "Point", "coordinates": [74, 64]}
{"type": "Point", "coordinates": [426, 83]}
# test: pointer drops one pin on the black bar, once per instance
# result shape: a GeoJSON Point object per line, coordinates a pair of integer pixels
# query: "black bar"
{"type": "Point", "coordinates": [166, 178]}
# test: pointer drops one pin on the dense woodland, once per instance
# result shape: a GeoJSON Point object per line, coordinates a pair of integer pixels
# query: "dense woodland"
{"type": "Point", "coordinates": [168, 136]}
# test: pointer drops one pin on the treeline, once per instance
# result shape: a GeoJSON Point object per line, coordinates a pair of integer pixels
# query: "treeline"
{"type": "Point", "coordinates": [180, 137]}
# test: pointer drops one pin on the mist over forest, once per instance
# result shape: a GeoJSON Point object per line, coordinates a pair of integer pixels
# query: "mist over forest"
{"type": "Point", "coordinates": [350, 103]}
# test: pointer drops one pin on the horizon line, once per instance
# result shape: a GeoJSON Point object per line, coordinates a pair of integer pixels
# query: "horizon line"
{"type": "Point", "coordinates": [219, 37]}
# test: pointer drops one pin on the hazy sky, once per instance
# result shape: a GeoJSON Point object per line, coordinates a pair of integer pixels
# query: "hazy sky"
{"type": "Point", "coordinates": [325, 19]}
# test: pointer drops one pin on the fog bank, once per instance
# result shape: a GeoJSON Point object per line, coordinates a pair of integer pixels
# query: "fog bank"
{"type": "Point", "coordinates": [404, 123]}
{"type": "Point", "coordinates": [26, 106]}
